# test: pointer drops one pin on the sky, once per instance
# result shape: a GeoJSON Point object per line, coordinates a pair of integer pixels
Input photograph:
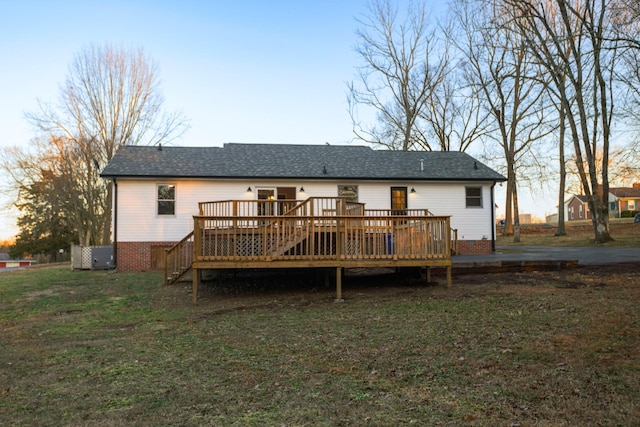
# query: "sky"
{"type": "Point", "coordinates": [245, 71]}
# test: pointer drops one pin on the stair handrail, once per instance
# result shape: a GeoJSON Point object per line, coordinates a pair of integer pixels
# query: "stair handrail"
{"type": "Point", "coordinates": [178, 259]}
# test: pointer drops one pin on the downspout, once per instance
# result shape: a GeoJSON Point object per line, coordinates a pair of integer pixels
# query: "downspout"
{"type": "Point", "coordinates": [115, 223]}
{"type": "Point", "coordinates": [493, 219]}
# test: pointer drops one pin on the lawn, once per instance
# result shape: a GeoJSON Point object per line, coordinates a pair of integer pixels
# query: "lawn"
{"type": "Point", "coordinates": [104, 348]}
{"type": "Point", "coordinates": [624, 231]}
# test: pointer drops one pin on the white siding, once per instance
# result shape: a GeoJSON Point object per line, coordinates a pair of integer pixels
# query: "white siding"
{"type": "Point", "coordinates": [138, 221]}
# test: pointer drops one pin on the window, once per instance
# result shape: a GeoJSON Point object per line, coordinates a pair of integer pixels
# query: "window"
{"type": "Point", "coordinates": [348, 191]}
{"type": "Point", "coordinates": [166, 199]}
{"type": "Point", "coordinates": [632, 205]}
{"type": "Point", "coordinates": [474, 197]}
{"type": "Point", "coordinates": [613, 207]}
{"type": "Point", "coordinates": [266, 197]}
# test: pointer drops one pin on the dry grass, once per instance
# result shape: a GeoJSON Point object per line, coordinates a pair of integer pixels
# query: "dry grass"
{"type": "Point", "coordinates": [96, 348]}
{"type": "Point", "coordinates": [625, 233]}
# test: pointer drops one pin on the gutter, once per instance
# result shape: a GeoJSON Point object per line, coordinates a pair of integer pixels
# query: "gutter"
{"type": "Point", "coordinates": [493, 218]}
{"type": "Point", "coordinates": [310, 178]}
{"type": "Point", "coordinates": [115, 223]}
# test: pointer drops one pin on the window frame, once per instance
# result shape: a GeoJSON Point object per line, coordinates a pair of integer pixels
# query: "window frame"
{"type": "Point", "coordinates": [468, 197]}
{"type": "Point", "coordinates": [402, 191]}
{"type": "Point", "coordinates": [159, 200]}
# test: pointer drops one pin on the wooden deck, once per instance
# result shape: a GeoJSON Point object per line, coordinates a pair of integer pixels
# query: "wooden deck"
{"type": "Point", "coordinates": [317, 232]}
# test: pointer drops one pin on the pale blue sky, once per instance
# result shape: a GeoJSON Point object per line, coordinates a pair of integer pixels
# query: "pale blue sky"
{"type": "Point", "coordinates": [244, 71]}
{"type": "Point", "coordinates": [241, 71]}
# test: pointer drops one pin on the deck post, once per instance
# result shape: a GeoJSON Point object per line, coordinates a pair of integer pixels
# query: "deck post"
{"type": "Point", "coordinates": [166, 267]}
{"type": "Point", "coordinates": [448, 276]}
{"type": "Point", "coordinates": [339, 285]}
{"type": "Point", "coordinates": [428, 274]}
{"type": "Point", "coordinates": [196, 282]}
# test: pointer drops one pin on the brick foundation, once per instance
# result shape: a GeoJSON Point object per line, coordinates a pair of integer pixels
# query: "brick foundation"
{"type": "Point", "coordinates": [137, 256]}
{"type": "Point", "coordinates": [474, 247]}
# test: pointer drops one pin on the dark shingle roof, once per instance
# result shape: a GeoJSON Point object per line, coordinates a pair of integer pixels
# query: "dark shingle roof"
{"type": "Point", "coordinates": [295, 161]}
{"type": "Point", "coordinates": [581, 197]}
{"type": "Point", "coordinates": [628, 192]}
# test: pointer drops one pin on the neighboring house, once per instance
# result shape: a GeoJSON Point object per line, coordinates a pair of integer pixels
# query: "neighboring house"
{"type": "Point", "coordinates": [7, 262]}
{"type": "Point", "coordinates": [578, 208]}
{"type": "Point", "coordinates": [157, 189]}
{"type": "Point", "coordinates": [623, 200]}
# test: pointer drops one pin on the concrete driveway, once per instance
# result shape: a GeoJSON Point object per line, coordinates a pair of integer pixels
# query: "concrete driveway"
{"type": "Point", "coordinates": [584, 255]}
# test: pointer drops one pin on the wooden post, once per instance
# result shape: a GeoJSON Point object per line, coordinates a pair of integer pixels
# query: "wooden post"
{"type": "Point", "coordinates": [339, 285]}
{"type": "Point", "coordinates": [194, 289]}
{"type": "Point", "coordinates": [166, 267]}
{"type": "Point", "coordinates": [428, 274]}
{"type": "Point", "coordinates": [448, 276]}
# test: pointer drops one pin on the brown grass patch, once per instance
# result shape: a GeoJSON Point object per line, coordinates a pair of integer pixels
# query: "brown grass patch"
{"type": "Point", "coordinates": [538, 348]}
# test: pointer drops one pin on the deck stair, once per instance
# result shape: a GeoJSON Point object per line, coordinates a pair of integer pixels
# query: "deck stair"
{"type": "Point", "coordinates": [178, 259]}
{"type": "Point", "coordinates": [289, 240]}
{"type": "Point", "coordinates": [291, 237]}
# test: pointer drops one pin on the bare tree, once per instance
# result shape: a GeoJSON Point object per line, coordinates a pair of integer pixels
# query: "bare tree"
{"type": "Point", "coordinates": [556, 88]}
{"type": "Point", "coordinates": [111, 98]}
{"type": "Point", "coordinates": [630, 103]}
{"type": "Point", "coordinates": [562, 183]}
{"type": "Point", "coordinates": [401, 69]}
{"type": "Point", "coordinates": [581, 45]}
{"type": "Point", "coordinates": [510, 86]}
{"type": "Point", "coordinates": [623, 171]}
{"type": "Point", "coordinates": [453, 114]}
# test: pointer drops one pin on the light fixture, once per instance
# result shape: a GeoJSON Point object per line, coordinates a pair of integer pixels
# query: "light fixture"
{"type": "Point", "coordinates": [249, 189]}
{"type": "Point", "coordinates": [302, 189]}
{"type": "Point", "coordinates": [413, 190]}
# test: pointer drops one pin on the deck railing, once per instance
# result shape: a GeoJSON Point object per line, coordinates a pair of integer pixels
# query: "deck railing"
{"type": "Point", "coordinates": [231, 208]}
{"type": "Point", "coordinates": [324, 237]}
{"type": "Point", "coordinates": [454, 241]}
{"type": "Point", "coordinates": [313, 206]}
{"type": "Point", "coordinates": [178, 259]}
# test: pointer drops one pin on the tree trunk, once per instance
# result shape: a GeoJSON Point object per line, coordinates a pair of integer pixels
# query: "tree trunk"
{"type": "Point", "coordinates": [600, 219]}
{"type": "Point", "coordinates": [561, 231]}
{"type": "Point", "coordinates": [516, 216]}
{"type": "Point", "coordinates": [107, 217]}
{"type": "Point", "coordinates": [508, 216]}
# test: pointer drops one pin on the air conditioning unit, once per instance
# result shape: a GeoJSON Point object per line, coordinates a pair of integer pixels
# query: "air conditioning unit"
{"type": "Point", "coordinates": [101, 257]}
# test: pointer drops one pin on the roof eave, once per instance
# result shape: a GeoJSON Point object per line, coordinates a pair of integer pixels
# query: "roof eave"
{"type": "Point", "coordinates": [319, 178]}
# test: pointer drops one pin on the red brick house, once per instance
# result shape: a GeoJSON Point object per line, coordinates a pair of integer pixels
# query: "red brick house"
{"type": "Point", "coordinates": [621, 200]}
{"type": "Point", "coordinates": [578, 208]}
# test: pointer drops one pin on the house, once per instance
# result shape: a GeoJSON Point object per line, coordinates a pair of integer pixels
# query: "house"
{"type": "Point", "coordinates": [578, 208]}
{"type": "Point", "coordinates": [7, 262]}
{"type": "Point", "coordinates": [624, 202]}
{"type": "Point", "coordinates": [159, 190]}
